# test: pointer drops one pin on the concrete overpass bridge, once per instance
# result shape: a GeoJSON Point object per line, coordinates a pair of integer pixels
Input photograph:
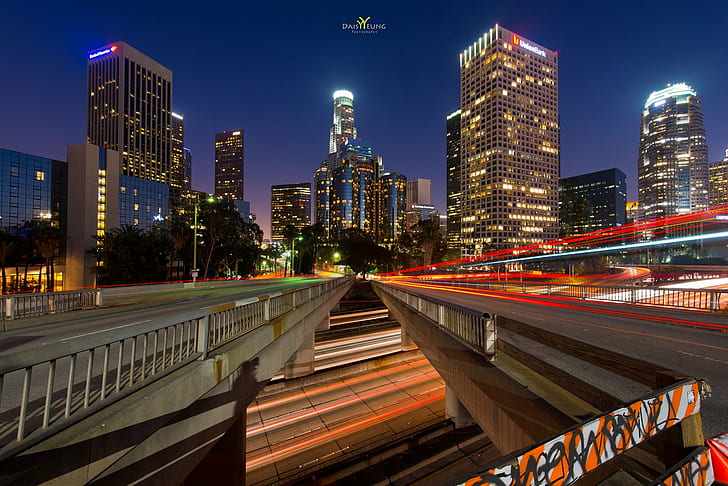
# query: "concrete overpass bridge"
{"type": "Point", "coordinates": [159, 400]}
{"type": "Point", "coordinates": [557, 381]}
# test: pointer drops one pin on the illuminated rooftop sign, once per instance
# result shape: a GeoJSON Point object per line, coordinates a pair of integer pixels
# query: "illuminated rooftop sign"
{"type": "Point", "coordinates": [103, 52]}
{"type": "Point", "coordinates": [517, 41]}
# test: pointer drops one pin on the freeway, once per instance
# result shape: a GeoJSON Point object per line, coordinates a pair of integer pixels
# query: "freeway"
{"type": "Point", "coordinates": [689, 342]}
{"type": "Point", "coordinates": [127, 311]}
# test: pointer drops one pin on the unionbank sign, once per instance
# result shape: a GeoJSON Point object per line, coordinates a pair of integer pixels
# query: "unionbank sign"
{"type": "Point", "coordinates": [363, 25]}
{"type": "Point", "coordinates": [517, 41]}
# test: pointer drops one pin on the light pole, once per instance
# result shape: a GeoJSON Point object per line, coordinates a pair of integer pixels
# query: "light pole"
{"type": "Point", "coordinates": [194, 246]}
{"type": "Point", "coordinates": [195, 270]}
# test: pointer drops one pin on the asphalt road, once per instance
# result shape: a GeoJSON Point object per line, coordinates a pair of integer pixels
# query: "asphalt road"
{"type": "Point", "coordinates": [128, 314]}
{"type": "Point", "coordinates": [660, 336]}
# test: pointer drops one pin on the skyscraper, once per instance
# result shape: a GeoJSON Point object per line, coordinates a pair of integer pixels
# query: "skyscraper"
{"type": "Point", "coordinates": [343, 127]}
{"type": "Point", "coordinates": [290, 204]}
{"type": "Point", "coordinates": [672, 169]}
{"type": "Point", "coordinates": [509, 142]}
{"type": "Point", "coordinates": [187, 169]}
{"type": "Point", "coordinates": [454, 191]}
{"type": "Point", "coordinates": [392, 206]}
{"type": "Point", "coordinates": [230, 164]}
{"type": "Point", "coordinates": [130, 110]}
{"type": "Point", "coordinates": [419, 202]}
{"type": "Point", "coordinates": [177, 165]}
{"type": "Point", "coordinates": [718, 180]}
{"type": "Point", "coordinates": [593, 201]}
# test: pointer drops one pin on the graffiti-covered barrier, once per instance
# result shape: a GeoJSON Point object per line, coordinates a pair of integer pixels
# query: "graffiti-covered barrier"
{"type": "Point", "coordinates": [566, 458]}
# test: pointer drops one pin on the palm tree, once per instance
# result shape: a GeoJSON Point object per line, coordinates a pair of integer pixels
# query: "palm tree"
{"type": "Point", "coordinates": [6, 249]}
{"type": "Point", "coordinates": [289, 234]}
{"type": "Point", "coordinates": [47, 240]}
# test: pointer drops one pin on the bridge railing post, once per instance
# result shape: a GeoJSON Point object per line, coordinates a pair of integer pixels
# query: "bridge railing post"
{"type": "Point", "coordinates": [715, 301]}
{"type": "Point", "coordinates": [203, 334]}
{"type": "Point", "coordinates": [266, 309]}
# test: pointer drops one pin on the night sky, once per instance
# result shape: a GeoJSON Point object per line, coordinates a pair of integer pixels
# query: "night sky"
{"type": "Point", "coordinates": [271, 69]}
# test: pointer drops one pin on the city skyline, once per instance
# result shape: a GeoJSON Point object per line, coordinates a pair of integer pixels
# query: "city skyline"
{"type": "Point", "coordinates": [606, 72]}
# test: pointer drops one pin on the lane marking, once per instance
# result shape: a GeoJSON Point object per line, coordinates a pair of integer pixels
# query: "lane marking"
{"type": "Point", "coordinates": [704, 357]}
{"type": "Point", "coordinates": [104, 330]}
{"type": "Point", "coordinates": [626, 331]}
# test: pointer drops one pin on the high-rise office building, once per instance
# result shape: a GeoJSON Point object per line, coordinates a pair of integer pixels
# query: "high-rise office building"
{"type": "Point", "coordinates": [454, 191]}
{"type": "Point", "coordinates": [632, 212]}
{"type": "Point", "coordinates": [230, 164]}
{"type": "Point", "coordinates": [343, 127]}
{"type": "Point", "coordinates": [594, 201]}
{"type": "Point", "coordinates": [419, 202]}
{"type": "Point", "coordinates": [130, 110]}
{"type": "Point", "coordinates": [290, 204]}
{"type": "Point", "coordinates": [322, 197]}
{"type": "Point", "coordinates": [672, 169]}
{"type": "Point", "coordinates": [718, 180]}
{"type": "Point", "coordinates": [509, 142]}
{"type": "Point", "coordinates": [392, 206]}
{"type": "Point", "coordinates": [177, 163]}
{"type": "Point", "coordinates": [187, 169]}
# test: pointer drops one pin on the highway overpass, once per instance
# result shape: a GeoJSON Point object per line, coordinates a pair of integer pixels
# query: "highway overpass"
{"type": "Point", "coordinates": [155, 392]}
{"type": "Point", "coordinates": [528, 367]}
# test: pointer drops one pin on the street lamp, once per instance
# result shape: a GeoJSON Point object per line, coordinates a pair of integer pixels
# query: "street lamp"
{"type": "Point", "coordinates": [195, 270]}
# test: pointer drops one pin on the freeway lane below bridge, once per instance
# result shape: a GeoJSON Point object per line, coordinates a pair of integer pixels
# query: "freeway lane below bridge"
{"type": "Point", "coordinates": [128, 312]}
{"type": "Point", "coordinates": [660, 336]}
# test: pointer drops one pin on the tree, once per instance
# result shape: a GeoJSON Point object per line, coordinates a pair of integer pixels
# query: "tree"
{"type": "Point", "coordinates": [427, 236]}
{"type": "Point", "coordinates": [180, 234]}
{"type": "Point", "coordinates": [360, 252]}
{"type": "Point", "coordinates": [7, 247]}
{"type": "Point", "coordinates": [289, 235]}
{"type": "Point", "coordinates": [129, 255]}
{"type": "Point", "coordinates": [47, 240]}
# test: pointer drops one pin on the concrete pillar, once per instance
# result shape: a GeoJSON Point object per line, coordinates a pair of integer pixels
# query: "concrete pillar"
{"type": "Point", "coordinates": [407, 344]}
{"type": "Point", "coordinates": [455, 410]}
{"type": "Point", "coordinates": [325, 324]}
{"type": "Point", "coordinates": [225, 463]}
{"type": "Point", "coordinates": [302, 361]}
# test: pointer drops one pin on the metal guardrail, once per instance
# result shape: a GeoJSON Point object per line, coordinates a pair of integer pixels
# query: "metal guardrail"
{"type": "Point", "coordinates": [474, 328]}
{"type": "Point", "coordinates": [567, 457]}
{"type": "Point", "coordinates": [37, 304]}
{"type": "Point", "coordinates": [713, 300]}
{"type": "Point", "coordinates": [112, 369]}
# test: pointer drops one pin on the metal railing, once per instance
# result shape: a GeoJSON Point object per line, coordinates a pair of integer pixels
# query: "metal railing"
{"type": "Point", "coordinates": [474, 328]}
{"type": "Point", "coordinates": [713, 300]}
{"type": "Point", "coordinates": [72, 381]}
{"type": "Point", "coordinates": [37, 304]}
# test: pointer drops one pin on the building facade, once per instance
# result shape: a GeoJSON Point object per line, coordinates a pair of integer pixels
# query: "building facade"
{"type": "Point", "coordinates": [130, 110]}
{"type": "Point", "coordinates": [177, 162]}
{"type": "Point", "coordinates": [593, 201]}
{"type": "Point", "coordinates": [142, 203]}
{"type": "Point", "coordinates": [32, 189]}
{"type": "Point", "coordinates": [392, 207]}
{"type": "Point", "coordinates": [290, 205]}
{"type": "Point", "coordinates": [419, 202]}
{"type": "Point", "coordinates": [718, 181]}
{"type": "Point", "coordinates": [509, 142]}
{"type": "Point", "coordinates": [454, 191]}
{"type": "Point", "coordinates": [672, 168]}
{"type": "Point", "coordinates": [342, 129]}
{"type": "Point", "coordinates": [230, 164]}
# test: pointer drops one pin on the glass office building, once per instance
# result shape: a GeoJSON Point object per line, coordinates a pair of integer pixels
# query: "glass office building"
{"type": "Point", "coordinates": [593, 201]}
{"type": "Point", "coordinates": [32, 188]}
{"type": "Point", "coordinates": [672, 169]}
